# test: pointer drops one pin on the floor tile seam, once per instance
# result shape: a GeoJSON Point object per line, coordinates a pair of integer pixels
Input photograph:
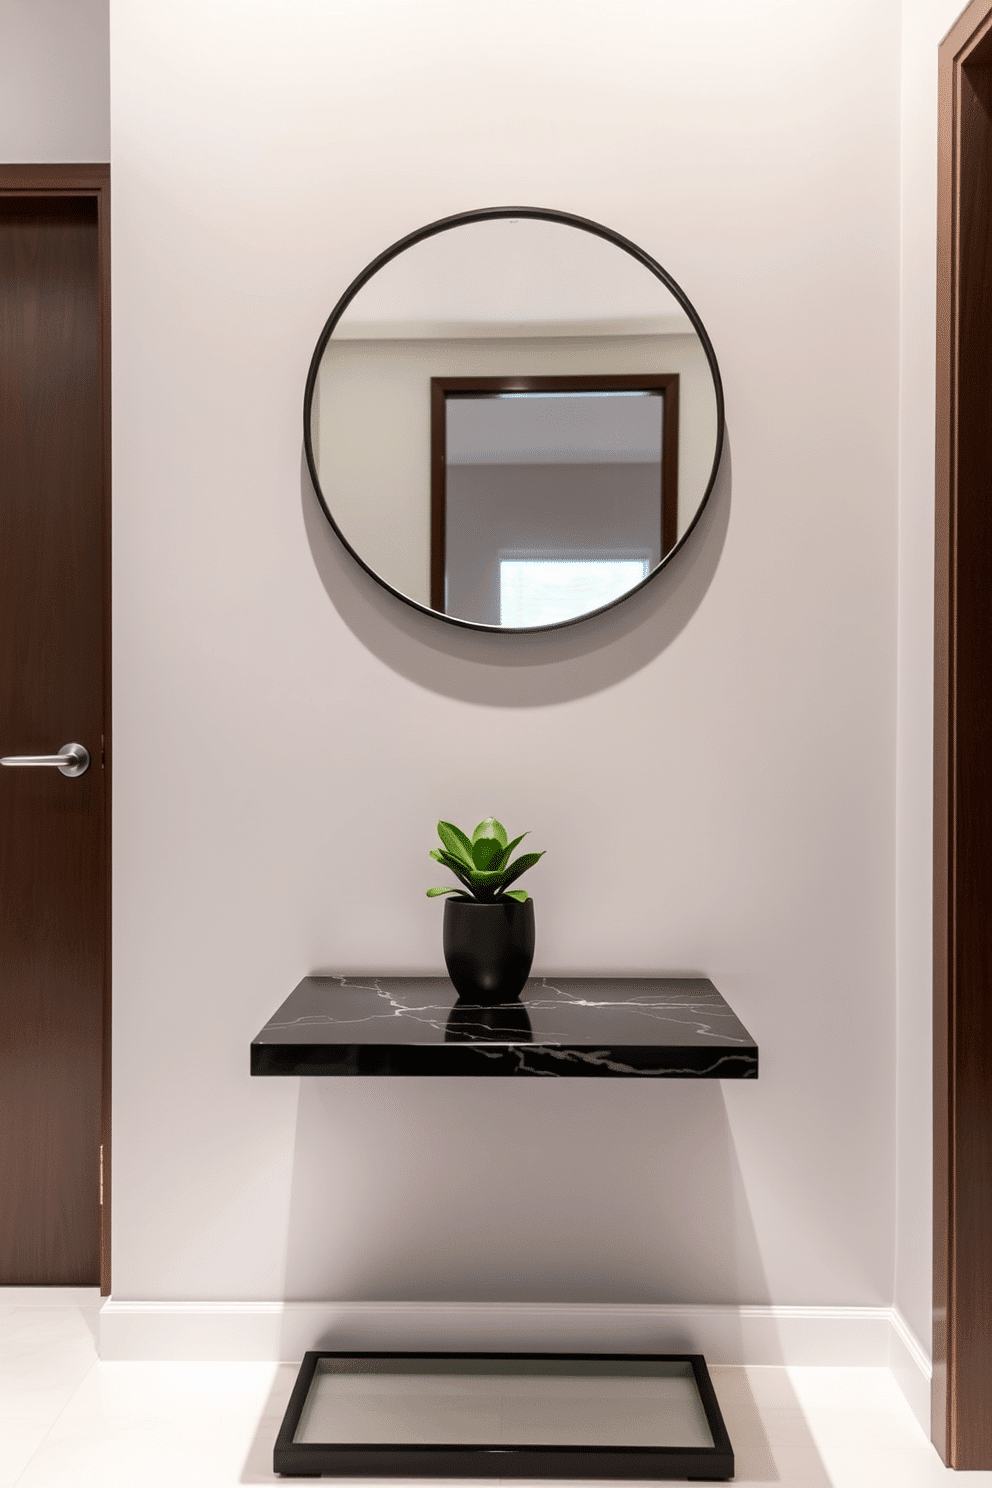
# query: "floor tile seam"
{"type": "Point", "coordinates": [63, 1394]}
{"type": "Point", "coordinates": [54, 1422]}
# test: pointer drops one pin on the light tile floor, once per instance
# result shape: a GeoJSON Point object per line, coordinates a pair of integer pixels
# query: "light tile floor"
{"type": "Point", "coordinates": [68, 1420]}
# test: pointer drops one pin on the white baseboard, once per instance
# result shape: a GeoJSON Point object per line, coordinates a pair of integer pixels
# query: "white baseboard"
{"type": "Point", "coordinates": [911, 1367]}
{"type": "Point", "coordinates": [876, 1336]}
{"type": "Point", "coordinates": [49, 1296]}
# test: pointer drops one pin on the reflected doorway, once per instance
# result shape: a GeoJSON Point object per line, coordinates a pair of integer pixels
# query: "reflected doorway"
{"type": "Point", "coordinates": [551, 497]}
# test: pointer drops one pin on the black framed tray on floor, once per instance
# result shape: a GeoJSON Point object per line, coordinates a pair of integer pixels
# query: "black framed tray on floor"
{"type": "Point", "coordinates": [498, 1415]}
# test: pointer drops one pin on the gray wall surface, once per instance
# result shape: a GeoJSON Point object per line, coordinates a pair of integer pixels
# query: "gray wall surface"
{"type": "Point", "coordinates": [54, 80]}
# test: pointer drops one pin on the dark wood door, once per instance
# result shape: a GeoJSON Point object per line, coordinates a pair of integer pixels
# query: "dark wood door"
{"type": "Point", "coordinates": [53, 880]}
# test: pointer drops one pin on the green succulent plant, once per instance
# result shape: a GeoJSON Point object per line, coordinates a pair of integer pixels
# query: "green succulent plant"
{"type": "Point", "coordinates": [481, 863]}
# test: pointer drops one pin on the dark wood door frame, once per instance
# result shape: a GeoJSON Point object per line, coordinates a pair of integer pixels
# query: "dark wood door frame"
{"type": "Point", "coordinates": [961, 1421]}
{"type": "Point", "coordinates": [93, 181]}
{"type": "Point", "coordinates": [666, 383]}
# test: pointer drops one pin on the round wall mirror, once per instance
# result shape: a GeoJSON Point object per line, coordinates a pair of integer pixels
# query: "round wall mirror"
{"type": "Point", "coordinates": [513, 418]}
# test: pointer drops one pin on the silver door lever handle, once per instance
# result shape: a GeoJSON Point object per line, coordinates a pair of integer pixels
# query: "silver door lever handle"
{"type": "Point", "coordinates": [72, 760]}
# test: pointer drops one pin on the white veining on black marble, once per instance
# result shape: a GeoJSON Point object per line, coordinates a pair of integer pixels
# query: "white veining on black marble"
{"type": "Point", "coordinates": [662, 1028]}
{"type": "Point", "coordinates": [697, 1014]}
{"type": "Point", "coordinates": [434, 1016]}
{"type": "Point", "coordinates": [649, 1009]}
{"type": "Point", "coordinates": [603, 1059]}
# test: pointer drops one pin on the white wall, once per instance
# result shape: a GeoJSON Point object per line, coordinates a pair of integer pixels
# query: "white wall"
{"type": "Point", "coordinates": [925, 22]}
{"type": "Point", "coordinates": [54, 80]}
{"type": "Point", "coordinates": [710, 768]}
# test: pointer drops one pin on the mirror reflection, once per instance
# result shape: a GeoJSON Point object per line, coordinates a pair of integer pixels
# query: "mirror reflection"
{"type": "Point", "coordinates": [548, 495]}
{"type": "Point", "coordinates": [513, 423]}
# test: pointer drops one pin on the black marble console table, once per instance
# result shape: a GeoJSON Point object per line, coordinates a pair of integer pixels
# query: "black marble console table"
{"type": "Point", "coordinates": [612, 1027]}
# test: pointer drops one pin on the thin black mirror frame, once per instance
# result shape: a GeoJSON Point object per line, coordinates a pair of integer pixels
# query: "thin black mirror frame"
{"type": "Point", "coordinates": [494, 214]}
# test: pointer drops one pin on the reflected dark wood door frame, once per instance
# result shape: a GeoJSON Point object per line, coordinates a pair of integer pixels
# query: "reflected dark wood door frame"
{"type": "Point", "coordinates": [664, 382]}
{"type": "Point", "coordinates": [961, 1421]}
{"type": "Point", "coordinates": [55, 688]}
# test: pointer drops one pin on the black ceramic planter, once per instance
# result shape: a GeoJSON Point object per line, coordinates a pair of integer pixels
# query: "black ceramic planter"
{"type": "Point", "coordinates": [488, 948]}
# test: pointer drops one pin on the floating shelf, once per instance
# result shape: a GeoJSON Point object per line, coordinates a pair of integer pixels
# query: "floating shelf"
{"type": "Point", "coordinates": [575, 1027]}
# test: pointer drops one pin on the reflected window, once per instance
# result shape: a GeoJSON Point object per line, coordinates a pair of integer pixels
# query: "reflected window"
{"type": "Point", "coordinates": [545, 591]}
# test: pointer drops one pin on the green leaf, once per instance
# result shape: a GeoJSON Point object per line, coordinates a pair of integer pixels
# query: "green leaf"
{"type": "Point", "coordinates": [490, 827]}
{"type": "Point", "coordinates": [509, 848]}
{"type": "Point", "coordinates": [456, 866]}
{"type": "Point", "coordinates": [455, 841]}
{"type": "Point", "coordinates": [482, 865]}
{"type": "Point", "coordinates": [525, 861]}
{"type": "Point", "coordinates": [487, 853]}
